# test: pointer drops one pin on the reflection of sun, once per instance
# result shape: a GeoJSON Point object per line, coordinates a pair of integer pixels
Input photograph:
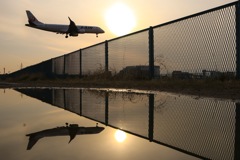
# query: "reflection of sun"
{"type": "Point", "coordinates": [120, 19]}
{"type": "Point", "coordinates": [120, 136]}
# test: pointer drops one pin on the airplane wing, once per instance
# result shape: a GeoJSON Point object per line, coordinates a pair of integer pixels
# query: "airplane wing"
{"type": "Point", "coordinates": [72, 29]}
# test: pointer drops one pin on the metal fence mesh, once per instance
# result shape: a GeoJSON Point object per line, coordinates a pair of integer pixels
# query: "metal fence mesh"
{"type": "Point", "coordinates": [204, 42]}
{"type": "Point", "coordinates": [93, 60]}
{"type": "Point", "coordinates": [58, 98]}
{"type": "Point", "coordinates": [128, 51]}
{"type": "Point", "coordinates": [129, 112]}
{"type": "Point", "coordinates": [93, 105]}
{"type": "Point", "coordinates": [58, 65]}
{"type": "Point", "coordinates": [196, 125]}
{"type": "Point", "coordinates": [72, 100]}
{"type": "Point", "coordinates": [72, 63]}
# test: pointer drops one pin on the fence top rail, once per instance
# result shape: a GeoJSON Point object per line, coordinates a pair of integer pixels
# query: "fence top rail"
{"type": "Point", "coordinates": [197, 14]}
{"type": "Point", "coordinates": [143, 30]}
{"type": "Point", "coordinates": [58, 57]}
{"type": "Point", "coordinates": [73, 52]}
{"type": "Point", "coordinates": [66, 54]}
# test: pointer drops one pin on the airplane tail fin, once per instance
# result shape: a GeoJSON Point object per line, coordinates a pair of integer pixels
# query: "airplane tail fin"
{"type": "Point", "coordinates": [32, 140]}
{"type": "Point", "coordinates": [32, 20]}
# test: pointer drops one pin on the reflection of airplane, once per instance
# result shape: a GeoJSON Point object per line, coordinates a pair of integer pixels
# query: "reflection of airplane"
{"type": "Point", "coordinates": [72, 130]}
{"type": "Point", "coordinates": [72, 29]}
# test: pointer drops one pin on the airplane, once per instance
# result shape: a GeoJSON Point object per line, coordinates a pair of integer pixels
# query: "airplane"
{"type": "Point", "coordinates": [69, 130]}
{"type": "Point", "coordinates": [70, 30]}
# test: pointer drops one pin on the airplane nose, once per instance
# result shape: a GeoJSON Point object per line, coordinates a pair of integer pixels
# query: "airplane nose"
{"type": "Point", "coordinates": [101, 31]}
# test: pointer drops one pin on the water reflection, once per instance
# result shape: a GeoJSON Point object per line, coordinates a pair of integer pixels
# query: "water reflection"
{"type": "Point", "coordinates": [120, 136]}
{"type": "Point", "coordinates": [202, 127]}
{"type": "Point", "coordinates": [69, 130]}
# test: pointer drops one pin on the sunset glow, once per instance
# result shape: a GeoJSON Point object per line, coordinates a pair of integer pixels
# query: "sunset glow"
{"type": "Point", "coordinates": [120, 19]}
{"type": "Point", "coordinates": [120, 136]}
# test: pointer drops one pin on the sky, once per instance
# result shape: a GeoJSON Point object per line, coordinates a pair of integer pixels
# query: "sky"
{"type": "Point", "coordinates": [24, 46]}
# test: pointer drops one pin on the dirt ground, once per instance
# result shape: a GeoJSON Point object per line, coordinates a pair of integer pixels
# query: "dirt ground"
{"type": "Point", "coordinates": [214, 89]}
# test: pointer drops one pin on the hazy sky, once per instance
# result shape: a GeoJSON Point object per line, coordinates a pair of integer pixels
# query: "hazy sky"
{"type": "Point", "coordinates": [20, 44]}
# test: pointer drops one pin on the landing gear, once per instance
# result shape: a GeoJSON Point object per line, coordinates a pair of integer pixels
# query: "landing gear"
{"type": "Point", "coordinates": [66, 36]}
{"type": "Point", "coordinates": [96, 35]}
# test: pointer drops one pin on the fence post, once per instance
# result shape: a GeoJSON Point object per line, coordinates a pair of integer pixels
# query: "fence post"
{"type": "Point", "coordinates": [64, 65]}
{"type": "Point", "coordinates": [53, 66]}
{"type": "Point", "coordinates": [151, 117]}
{"type": "Point", "coordinates": [106, 108]}
{"type": "Point", "coordinates": [81, 94]}
{"type": "Point", "coordinates": [237, 132]}
{"type": "Point", "coordinates": [151, 52]}
{"type": "Point", "coordinates": [106, 56]}
{"type": "Point", "coordinates": [238, 40]}
{"type": "Point", "coordinates": [80, 63]}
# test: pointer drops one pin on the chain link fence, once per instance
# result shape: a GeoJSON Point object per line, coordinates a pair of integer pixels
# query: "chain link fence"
{"type": "Point", "coordinates": [203, 45]}
{"type": "Point", "coordinates": [198, 46]}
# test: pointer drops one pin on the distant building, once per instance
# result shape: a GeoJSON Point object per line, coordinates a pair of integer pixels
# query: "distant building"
{"type": "Point", "coordinates": [217, 74]}
{"type": "Point", "coordinates": [181, 75]}
{"type": "Point", "coordinates": [139, 72]}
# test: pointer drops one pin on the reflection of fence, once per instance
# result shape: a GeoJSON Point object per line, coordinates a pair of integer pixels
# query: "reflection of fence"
{"type": "Point", "coordinates": [205, 128]}
{"type": "Point", "coordinates": [206, 41]}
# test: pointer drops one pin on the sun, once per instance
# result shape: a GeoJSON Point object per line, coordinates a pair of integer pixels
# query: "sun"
{"type": "Point", "coordinates": [120, 136]}
{"type": "Point", "coordinates": [120, 19]}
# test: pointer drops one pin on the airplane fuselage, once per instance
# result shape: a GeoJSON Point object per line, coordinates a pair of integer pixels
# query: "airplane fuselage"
{"type": "Point", "coordinates": [71, 130]}
{"type": "Point", "coordinates": [58, 28]}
